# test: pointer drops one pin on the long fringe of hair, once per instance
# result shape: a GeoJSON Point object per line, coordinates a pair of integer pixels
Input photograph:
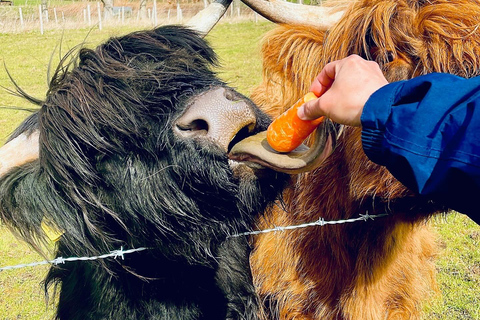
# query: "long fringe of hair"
{"type": "Point", "coordinates": [407, 38]}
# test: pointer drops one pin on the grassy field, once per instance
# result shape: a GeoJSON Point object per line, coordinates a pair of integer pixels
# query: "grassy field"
{"type": "Point", "coordinates": [27, 56]}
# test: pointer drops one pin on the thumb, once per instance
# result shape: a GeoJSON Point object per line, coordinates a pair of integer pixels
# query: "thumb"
{"type": "Point", "coordinates": [310, 110]}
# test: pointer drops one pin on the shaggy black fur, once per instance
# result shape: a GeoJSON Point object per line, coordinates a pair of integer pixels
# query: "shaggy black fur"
{"type": "Point", "coordinates": [113, 173]}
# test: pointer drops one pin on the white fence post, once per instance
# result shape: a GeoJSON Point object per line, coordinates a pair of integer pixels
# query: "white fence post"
{"type": "Point", "coordinates": [99, 12]}
{"type": "Point", "coordinates": [41, 19]}
{"type": "Point", "coordinates": [21, 15]}
{"type": "Point", "coordinates": [154, 13]}
{"type": "Point", "coordinates": [55, 15]}
{"type": "Point", "coordinates": [179, 13]}
{"type": "Point", "coordinates": [89, 15]}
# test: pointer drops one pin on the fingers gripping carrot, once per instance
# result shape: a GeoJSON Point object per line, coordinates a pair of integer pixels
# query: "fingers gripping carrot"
{"type": "Point", "coordinates": [288, 131]}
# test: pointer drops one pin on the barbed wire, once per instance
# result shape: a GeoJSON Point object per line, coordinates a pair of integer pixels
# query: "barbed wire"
{"type": "Point", "coordinates": [320, 222]}
{"type": "Point", "coordinates": [120, 253]}
{"type": "Point", "coordinates": [60, 260]}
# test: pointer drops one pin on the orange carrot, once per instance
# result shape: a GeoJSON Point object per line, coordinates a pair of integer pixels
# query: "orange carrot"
{"type": "Point", "coordinates": [288, 131]}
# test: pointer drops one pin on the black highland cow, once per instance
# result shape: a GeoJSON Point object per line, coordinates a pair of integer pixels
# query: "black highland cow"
{"type": "Point", "coordinates": [133, 152]}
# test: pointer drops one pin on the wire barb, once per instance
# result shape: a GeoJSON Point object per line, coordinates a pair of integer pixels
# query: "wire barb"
{"type": "Point", "coordinates": [320, 222]}
{"type": "Point", "coordinates": [366, 216]}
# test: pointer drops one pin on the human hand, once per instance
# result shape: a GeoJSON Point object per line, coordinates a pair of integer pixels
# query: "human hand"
{"type": "Point", "coordinates": [343, 88]}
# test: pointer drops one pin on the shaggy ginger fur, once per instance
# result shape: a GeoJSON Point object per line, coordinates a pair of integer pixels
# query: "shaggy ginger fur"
{"type": "Point", "coordinates": [381, 269]}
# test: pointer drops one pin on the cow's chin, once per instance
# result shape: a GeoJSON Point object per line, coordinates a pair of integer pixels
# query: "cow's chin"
{"type": "Point", "coordinates": [258, 176]}
{"type": "Point", "coordinates": [247, 170]}
{"type": "Point", "coordinates": [258, 186]}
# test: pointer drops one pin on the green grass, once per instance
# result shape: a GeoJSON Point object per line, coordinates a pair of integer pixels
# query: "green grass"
{"type": "Point", "coordinates": [27, 57]}
{"type": "Point", "coordinates": [38, 2]}
{"type": "Point", "coordinates": [458, 269]}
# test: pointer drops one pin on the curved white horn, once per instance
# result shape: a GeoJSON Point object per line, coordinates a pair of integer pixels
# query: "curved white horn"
{"type": "Point", "coordinates": [18, 151]}
{"type": "Point", "coordinates": [280, 11]}
{"type": "Point", "coordinates": [206, 19]}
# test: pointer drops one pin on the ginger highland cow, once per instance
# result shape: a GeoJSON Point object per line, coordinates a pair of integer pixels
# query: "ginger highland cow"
{"type": "Point", "coordinates": [381, 269]}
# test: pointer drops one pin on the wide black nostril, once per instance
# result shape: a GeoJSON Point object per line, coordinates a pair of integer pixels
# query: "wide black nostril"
{"type": "Point", "coordinates": [195, 125]}
{"type": "Point", "coordinates": [242, 134]}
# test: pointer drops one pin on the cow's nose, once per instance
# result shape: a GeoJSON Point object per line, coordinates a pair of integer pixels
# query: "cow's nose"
{"type": "Point", "coordinates": [219, 115]}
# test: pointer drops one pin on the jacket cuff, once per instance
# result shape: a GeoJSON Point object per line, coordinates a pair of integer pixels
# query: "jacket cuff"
{"type": "Point", "coordinates": [374, 117]}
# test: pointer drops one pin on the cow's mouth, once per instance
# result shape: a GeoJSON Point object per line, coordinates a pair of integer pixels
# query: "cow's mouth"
{"type": "Point", "coordinates": [255, 150]}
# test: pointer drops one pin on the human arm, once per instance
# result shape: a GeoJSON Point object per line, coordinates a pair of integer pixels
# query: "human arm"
{"type": "Point", "coordinates": [425, 130]}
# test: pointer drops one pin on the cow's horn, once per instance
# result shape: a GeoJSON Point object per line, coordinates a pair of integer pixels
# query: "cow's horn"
{"type": "Point", "coordinates": [21, 150]}
{"type": "Point", "coordinates": [280, 11]}
{"type": "Point", "coordinates": [207, 18]}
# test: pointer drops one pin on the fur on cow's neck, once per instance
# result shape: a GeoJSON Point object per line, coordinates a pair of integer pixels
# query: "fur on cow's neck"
{"type": "Point", "coordinates": [147, 286]}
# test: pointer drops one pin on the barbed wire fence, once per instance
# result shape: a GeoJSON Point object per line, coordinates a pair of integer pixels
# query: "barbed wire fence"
{"type": "Point", "coordinates": [121, 253]}
{"type": "Point", "coordinates": [60, 260]}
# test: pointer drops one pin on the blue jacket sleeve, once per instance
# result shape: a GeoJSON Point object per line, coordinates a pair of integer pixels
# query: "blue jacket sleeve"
{"type": "Point", "coordinates": [426, 131]}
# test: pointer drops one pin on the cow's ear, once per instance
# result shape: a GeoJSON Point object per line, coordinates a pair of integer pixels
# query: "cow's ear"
{"type": "Point", "coordinates": [19, 151]}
